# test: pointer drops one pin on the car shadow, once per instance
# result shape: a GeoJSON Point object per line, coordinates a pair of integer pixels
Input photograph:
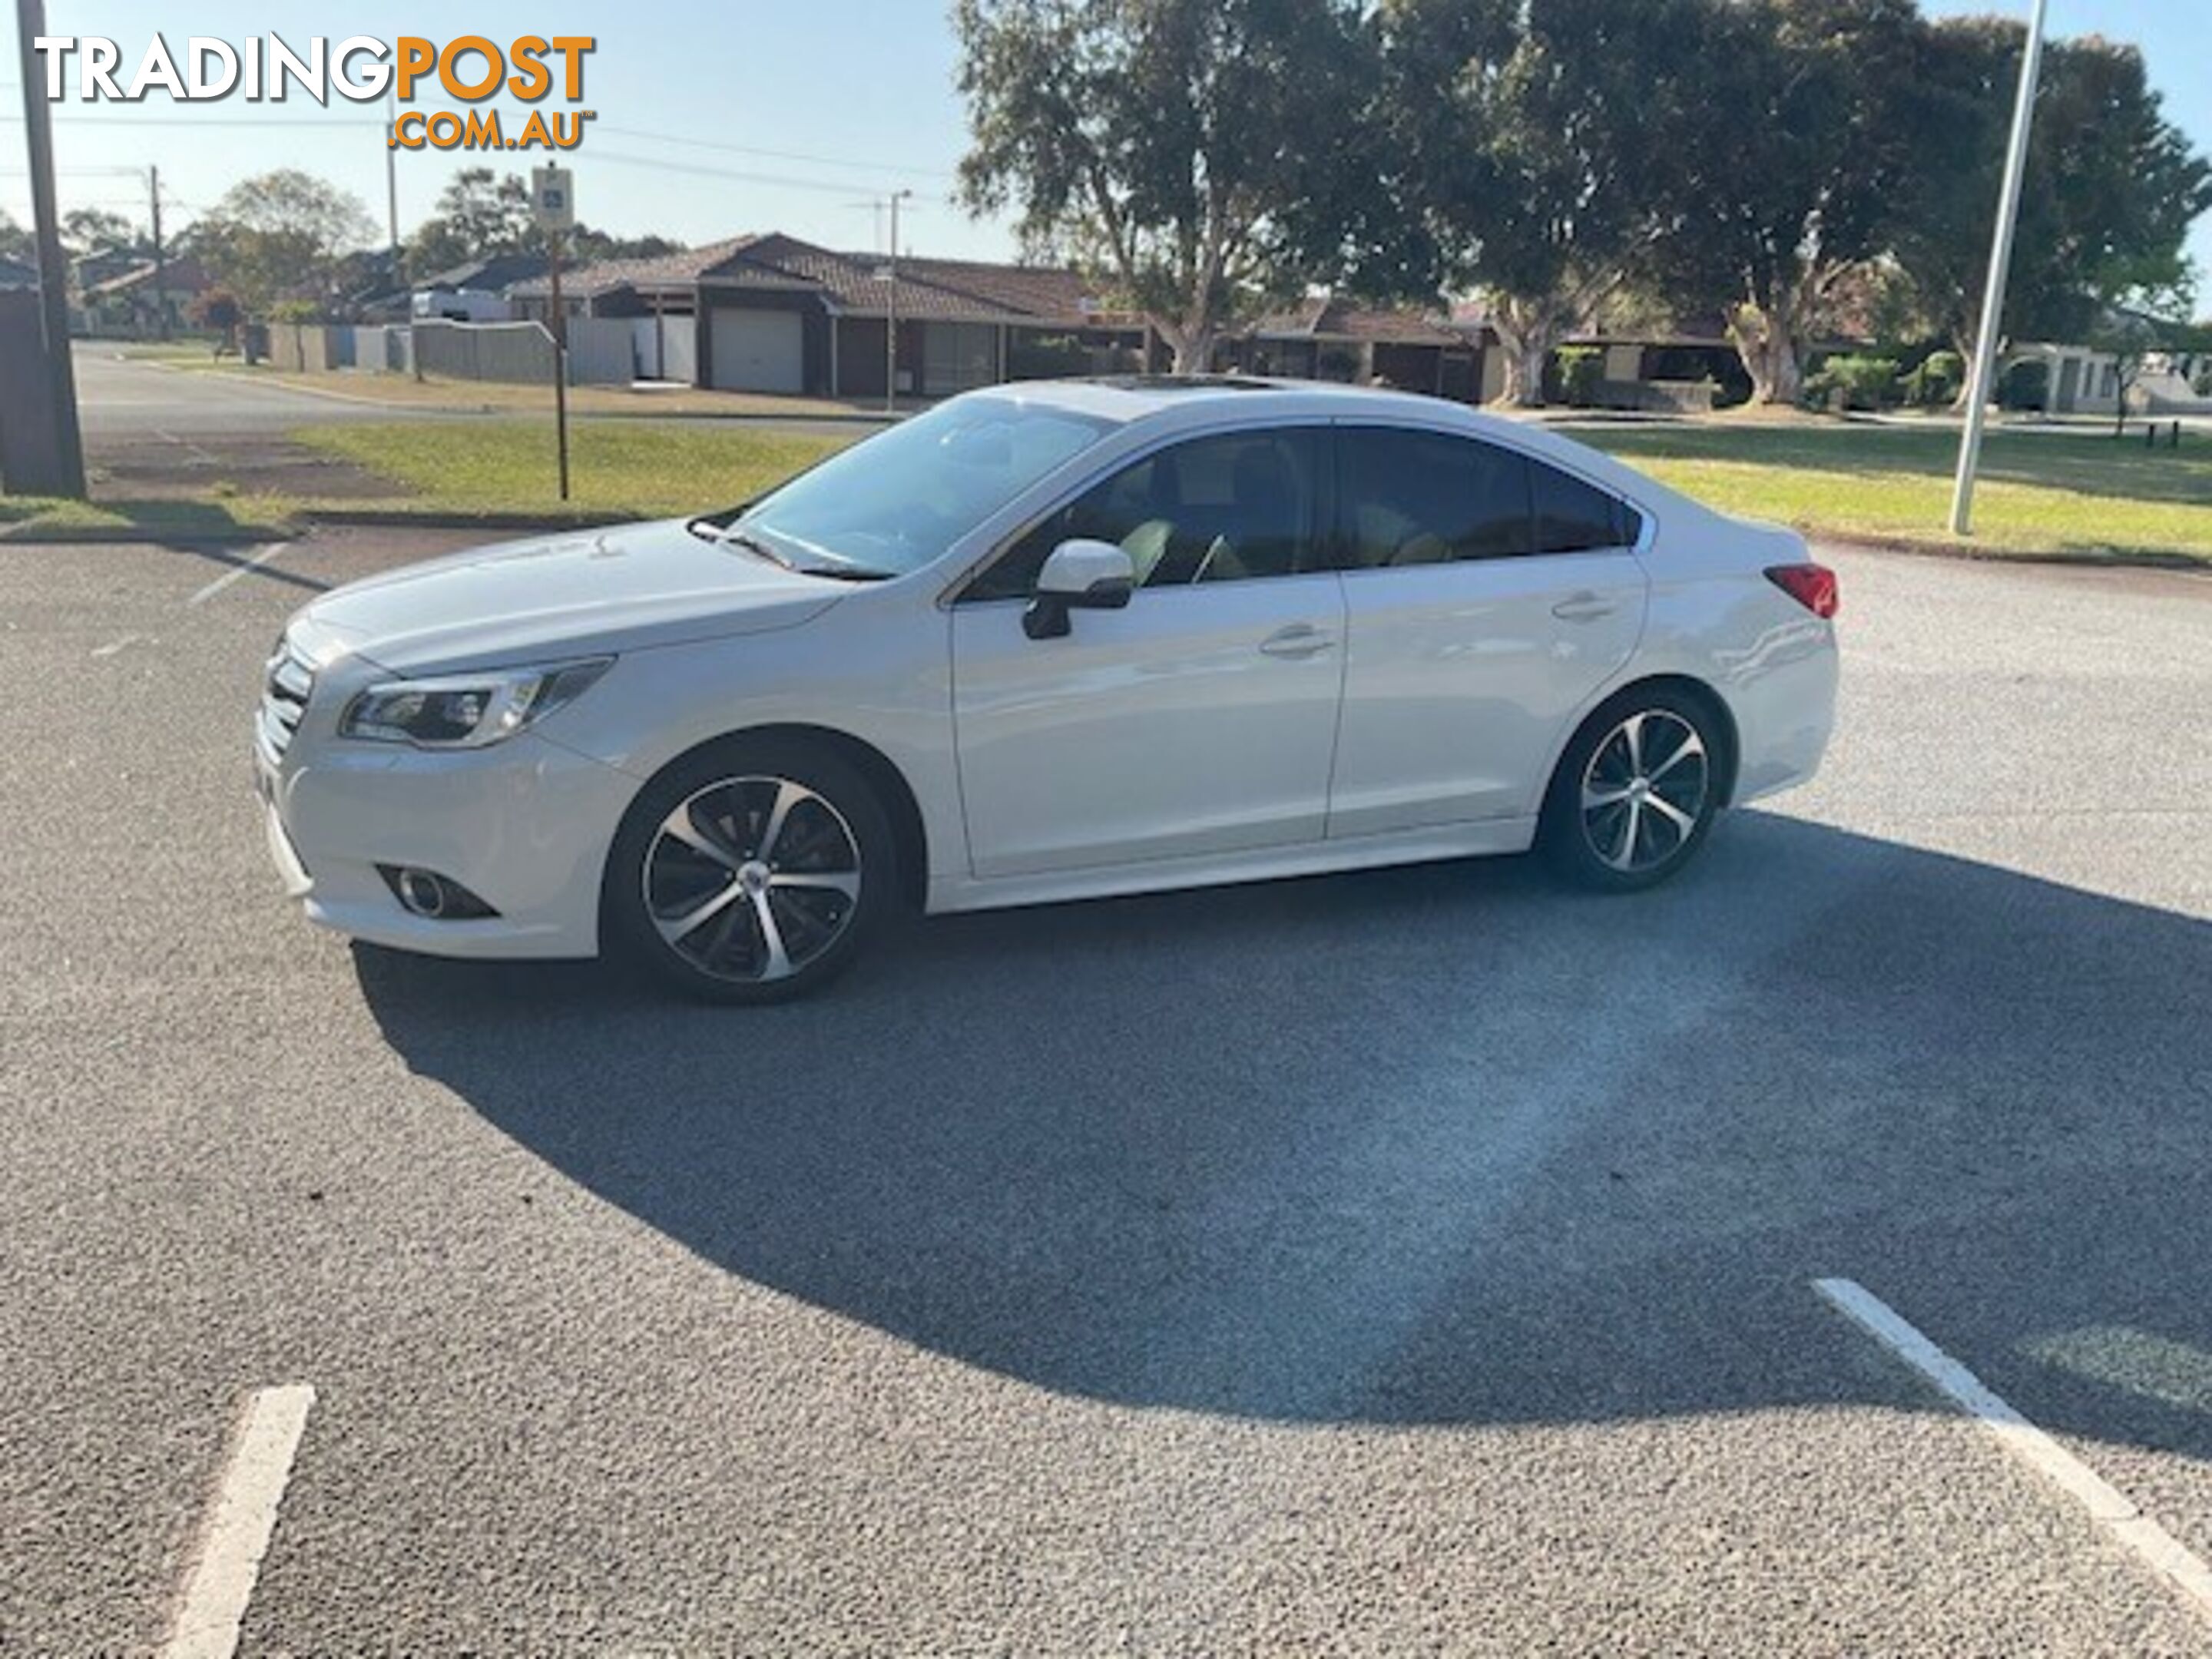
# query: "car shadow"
{"type": "Point", "coordinates": [1432, 1145]}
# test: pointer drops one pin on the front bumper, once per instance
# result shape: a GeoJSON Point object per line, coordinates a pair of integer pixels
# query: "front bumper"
{"type": "Point", "coordinates": [525, 826]}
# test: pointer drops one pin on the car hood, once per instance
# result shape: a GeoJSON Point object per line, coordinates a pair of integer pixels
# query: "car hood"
{"type": "Point", "coordinates": [577, 592]}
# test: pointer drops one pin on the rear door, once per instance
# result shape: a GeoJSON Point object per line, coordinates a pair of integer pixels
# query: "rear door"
{"type": "Point", "coordinates": [1488, 595]}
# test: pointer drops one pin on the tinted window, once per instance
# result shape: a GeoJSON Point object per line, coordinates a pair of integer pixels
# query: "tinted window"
{"type": "Point", "coordinates": [1573, 517]}
{"type": "Point", "coordinates": [1233, 507]}
{"type": "Point", "coordinates": [1412, 498]}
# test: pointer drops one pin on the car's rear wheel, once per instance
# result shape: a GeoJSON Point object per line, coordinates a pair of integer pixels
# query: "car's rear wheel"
{"type": "Point", "coordinates": [1637, 791]}
{"type": "Point", "coordinates": [752, 871]}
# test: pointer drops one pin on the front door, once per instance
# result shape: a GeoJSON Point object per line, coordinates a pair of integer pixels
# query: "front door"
{"type": "Point", "coordinates": [1488, 597]}
{"type": "Point", "coordinates": [1200, 720]}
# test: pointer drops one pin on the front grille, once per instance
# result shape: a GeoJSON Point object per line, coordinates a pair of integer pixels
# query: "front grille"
{"type": "Point", "coordinates": [283, 701]}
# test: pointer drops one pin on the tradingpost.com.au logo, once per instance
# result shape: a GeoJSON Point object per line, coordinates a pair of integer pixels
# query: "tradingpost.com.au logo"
{"type": "Point", "coordinates": [469, 69]}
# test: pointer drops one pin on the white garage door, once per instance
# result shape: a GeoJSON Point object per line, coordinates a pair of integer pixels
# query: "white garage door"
{"type": "Point", "coordinates": [757, 351]}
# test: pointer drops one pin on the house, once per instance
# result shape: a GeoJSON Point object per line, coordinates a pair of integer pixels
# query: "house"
{"type": "Point", "coordinates": [476, 292]}
{"type": "Point", "coordinates": [16, 273]}
{"type": "Point", "coordinates": [1324, 338]}
{"type": "Point", "coordinates": [145, 298]}
{"type": "Point", "coordinates": [773, 313]}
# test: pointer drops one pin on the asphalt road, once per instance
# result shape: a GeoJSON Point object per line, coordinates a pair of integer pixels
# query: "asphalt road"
{"type": "Point", "coordinates": [1409, 1261]}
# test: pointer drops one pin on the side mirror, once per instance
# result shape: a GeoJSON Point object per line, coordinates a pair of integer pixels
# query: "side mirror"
{"type": "Point", "coordinates": [1080, 576]}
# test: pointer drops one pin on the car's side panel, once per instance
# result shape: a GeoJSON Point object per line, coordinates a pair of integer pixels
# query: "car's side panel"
{"type": "Point", "coordinates": [881, 675]}
{"type": "Point", "coordinates": [1461, 677]}
{"type": "Point", "coordinates": [1713, 619]}
{"type": "Point", "coordinates": [1200, 719]}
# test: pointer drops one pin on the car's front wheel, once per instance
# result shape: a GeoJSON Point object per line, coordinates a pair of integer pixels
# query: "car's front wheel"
{"type": "Point", "coordinates": [1636, 791]}
{"type": "Point", "coordinates": [751, 870]}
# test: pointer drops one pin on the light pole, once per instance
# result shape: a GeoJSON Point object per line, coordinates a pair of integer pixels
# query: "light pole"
{"type": "Point", "coordinates": [1985, 349]}
{"type": "Point", "coordinates": [890, 328]}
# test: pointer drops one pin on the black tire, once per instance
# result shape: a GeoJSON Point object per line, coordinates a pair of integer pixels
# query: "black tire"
{"type": "Point", "coordinates": [832, 833]}
{"type": "Point", "coordinates": [1626, 843]}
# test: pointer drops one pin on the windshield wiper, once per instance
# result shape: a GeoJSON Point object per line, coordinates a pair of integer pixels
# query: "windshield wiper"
{"type": "Point", "coordinates": [731, 535]}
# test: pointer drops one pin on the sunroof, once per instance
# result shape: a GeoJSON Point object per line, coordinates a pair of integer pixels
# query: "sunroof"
{"type": "Point", "coordinates": [1185, 383]}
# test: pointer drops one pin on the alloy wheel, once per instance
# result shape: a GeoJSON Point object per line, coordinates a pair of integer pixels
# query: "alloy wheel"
{"type": "Point", "coordinates": [751, 880]}
{"type": "Point", "coordinates": [1644, 790]}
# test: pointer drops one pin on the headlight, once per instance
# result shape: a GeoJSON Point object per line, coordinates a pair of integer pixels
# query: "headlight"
{"type": "Point", "coordinates": [467, 711]}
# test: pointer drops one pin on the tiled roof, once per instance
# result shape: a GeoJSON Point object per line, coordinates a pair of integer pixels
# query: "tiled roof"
{"type": "Point", "coordinates": [948, 290]}
{"type": "Point", "coordinates": [1320, 317]}
{"type": "Point", "coordinates": [609, 275]}
{"type": "Point", "coordinates": [183, 276]}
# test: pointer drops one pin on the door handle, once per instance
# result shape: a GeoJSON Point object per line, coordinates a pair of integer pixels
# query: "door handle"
{"type": "Point", "coordinates": [1298, 640]}
{"type": "Point", "coordinates": [1583, 607]}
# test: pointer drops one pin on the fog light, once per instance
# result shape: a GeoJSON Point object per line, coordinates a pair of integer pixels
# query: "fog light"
{"type": "Point", "coordinates": [433, 897]}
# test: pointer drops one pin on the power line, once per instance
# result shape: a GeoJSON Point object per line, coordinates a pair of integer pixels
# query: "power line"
{"type": "Point", "coordinates": [780, 180]}
{"type": "Point", "coordinates": [362, 123]}
{"type": "Point", "coordinates": [774, 154]}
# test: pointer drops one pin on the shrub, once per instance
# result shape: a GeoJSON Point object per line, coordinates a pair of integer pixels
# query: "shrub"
{"type": "Point", "coordinates": [1046, 357]}
{"type": "Point", "coordinates": [1582, 375]}
{"type": "Point", "coordinates": [2025, 385]}
{"type": "Point", "coordinates": [1858, 382]}
{"type": "Point", "coordinates": [1936, 381]}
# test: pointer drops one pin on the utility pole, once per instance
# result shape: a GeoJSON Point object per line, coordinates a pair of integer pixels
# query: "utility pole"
{"type": "Point", "coordinates": [560, 355]}
{"type": "Point", "coordinates": [1985, 349]}
{"type": "Point", "coordinates": [890, 331]}
{"type": "Point", "coordinates": [160, 268]}
{"type": "Point", "coordinates": [53, 276]}
{"type": "Point", "coordinates": [392, 174]}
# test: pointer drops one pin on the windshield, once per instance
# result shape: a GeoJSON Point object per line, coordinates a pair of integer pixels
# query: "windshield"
{"type": "Point", "coordinates": [899, 500]}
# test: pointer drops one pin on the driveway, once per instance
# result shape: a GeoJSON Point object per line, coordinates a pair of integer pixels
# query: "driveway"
{"type": "Point", "coordinates": [1412, 1261]}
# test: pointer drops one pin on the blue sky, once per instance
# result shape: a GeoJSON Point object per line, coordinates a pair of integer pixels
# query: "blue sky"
{"type": "Point", "coordinates": [796, 115]}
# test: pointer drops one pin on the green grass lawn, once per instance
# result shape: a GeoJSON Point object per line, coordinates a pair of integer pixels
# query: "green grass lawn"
{"type": "Point", "coordinates": [615, 468]}
{"type": "Point", "coordinates": [2073, 493]}
{"type": "Point", "coordinates": [2080, 493]}
{"type": "Point", "coordinates": [225, 516]}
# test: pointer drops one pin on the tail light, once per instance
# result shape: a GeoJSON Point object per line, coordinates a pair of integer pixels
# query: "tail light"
{"type": "Point", "coordinates": [1812, 585]}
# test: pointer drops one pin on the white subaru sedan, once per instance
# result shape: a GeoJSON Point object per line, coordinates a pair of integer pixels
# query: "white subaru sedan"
{"type": "Point", "coordinates": [1047, 641]}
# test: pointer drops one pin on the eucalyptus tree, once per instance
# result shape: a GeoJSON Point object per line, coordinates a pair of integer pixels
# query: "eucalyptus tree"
{"type": "Point", "coordinates": [1789, 175]}
{"type": "Point", "coordinates": [1195, 152]}
{"type": "Point", "coordinates": [2110, 190]}
{"type": "Point", "coordinates": [1544, 137]}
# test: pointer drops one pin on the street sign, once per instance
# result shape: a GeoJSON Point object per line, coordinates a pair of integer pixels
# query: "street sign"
{"type": "Point", "coordinates": [552, 198]}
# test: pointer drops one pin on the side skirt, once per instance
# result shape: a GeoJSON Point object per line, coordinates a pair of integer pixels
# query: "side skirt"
{"type": "Point", "coordinates": [949, 893]}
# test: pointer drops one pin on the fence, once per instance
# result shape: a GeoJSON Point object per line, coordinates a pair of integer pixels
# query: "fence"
{"type": "Point", "coordinates": [602, 350]}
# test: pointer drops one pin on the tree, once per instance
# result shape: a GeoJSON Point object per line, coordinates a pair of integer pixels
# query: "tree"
{"type": "Point", "coordinates": [1191, 151]}
{"type": "Point", "coordinates": [2110, 190]}
{"type": "Point", "coordinates": [478, 214]}
{"type": "Point", "coordinates": [2144, 308]}
{"type": "Point", "coordinates": [17, 243]}
{"type": "Point", "coordinates": [1790, 174]}
{"type": "Point", "coordinates": [1541, 135]}
{"type": "Point", "coordinates": [587, 246]}
{"type": "Point", "coordinates": [87, 232]}
{"type": "Point", "coordinates": [218, 309]}
{"type": "Point", "coordinates": [482, 215]}
{"type": "Point", "coordinates": [279, 237]}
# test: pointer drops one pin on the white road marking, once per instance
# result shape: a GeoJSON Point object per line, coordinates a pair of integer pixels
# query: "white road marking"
{"type": "Point", "coordinates": [261, 557]}
{"type": "Point", "coordinates": [239, 1525]}
{"type": "Point", "coordinates": [2107, 1506]}
{"type": "Point", "coordinates": [197, 452]}
{"type": "Point", "coordinates": [114, 645]}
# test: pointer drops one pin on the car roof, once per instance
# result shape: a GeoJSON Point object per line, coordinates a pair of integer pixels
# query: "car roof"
{"type": "Point", "coordinates": [1126, 398]}
{"type": "Point", "coordinates": [1198, 402]}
